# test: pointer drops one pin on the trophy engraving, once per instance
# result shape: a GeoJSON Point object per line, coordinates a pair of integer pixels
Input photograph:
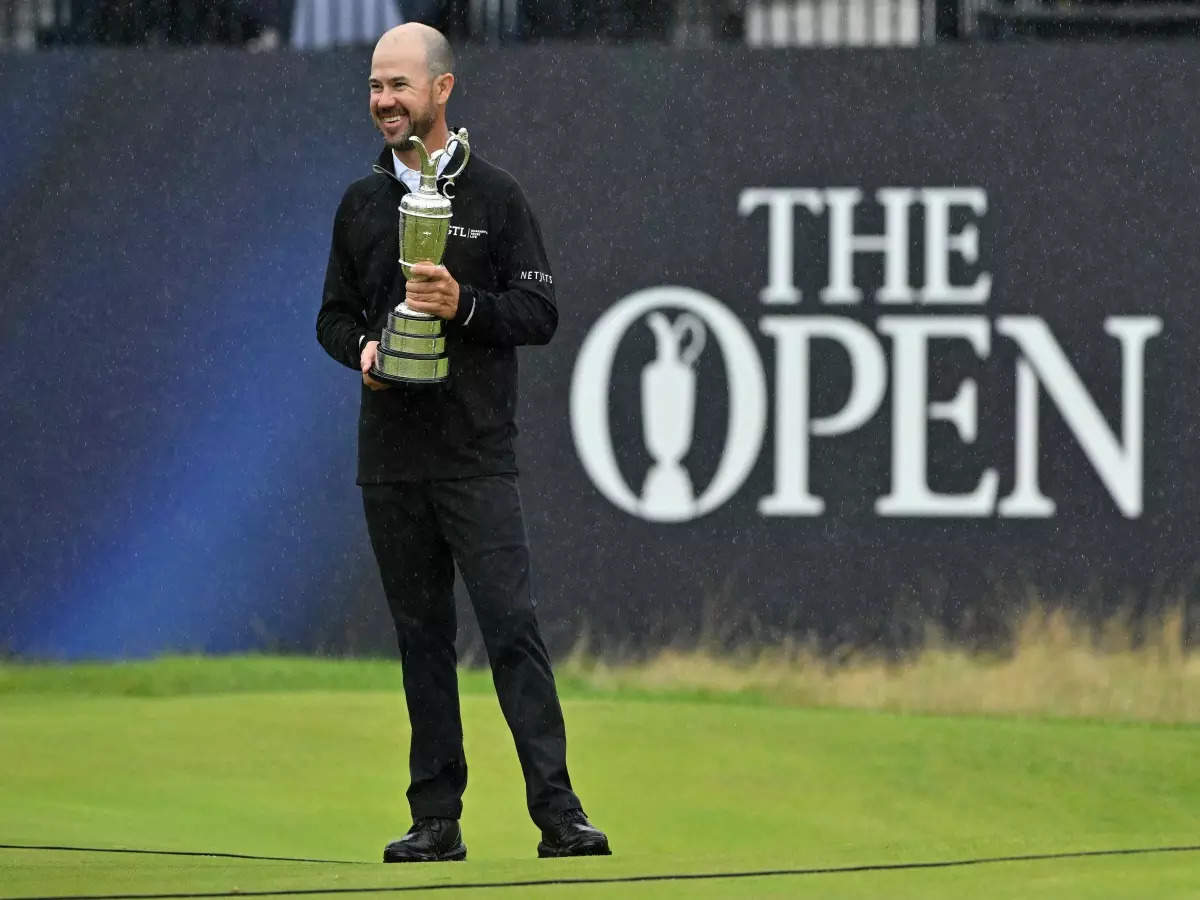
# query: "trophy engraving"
{"type": "Point", "coordinates": [412, 348]}
{"type": "Point", "coordinates": [668, 415]}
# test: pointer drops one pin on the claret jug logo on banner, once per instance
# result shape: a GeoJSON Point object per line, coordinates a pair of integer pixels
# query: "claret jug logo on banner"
{"type": "Point", "coordinates": [950, 304]}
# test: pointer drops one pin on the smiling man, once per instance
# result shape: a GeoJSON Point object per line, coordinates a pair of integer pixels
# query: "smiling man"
{"type": "Point", "coordinates": [436, 462]}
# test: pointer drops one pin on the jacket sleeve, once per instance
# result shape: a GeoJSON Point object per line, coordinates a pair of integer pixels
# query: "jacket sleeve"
{"type": "Point", "coordinates": [523, 310]}
{"type": "Point", "coordinates": [341, 321]}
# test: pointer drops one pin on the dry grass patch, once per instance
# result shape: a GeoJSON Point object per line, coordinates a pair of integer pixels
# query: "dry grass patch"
{"type": "Point", "coordinates": [1056, 666]}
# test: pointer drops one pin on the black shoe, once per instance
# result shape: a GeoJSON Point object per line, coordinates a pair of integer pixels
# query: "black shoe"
{"type": "Point", "coordinates": [573, 835]}
{"type": "Point", "coordinates": [429, 840]}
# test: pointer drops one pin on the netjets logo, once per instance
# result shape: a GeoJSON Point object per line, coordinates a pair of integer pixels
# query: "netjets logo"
{"type": "Point", "coordinates": [669, 402]}
{"type": "Point", "coordinates": [688, 325]}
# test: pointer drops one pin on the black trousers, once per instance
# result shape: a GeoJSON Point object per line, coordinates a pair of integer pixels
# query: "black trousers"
{"type": "Point", "coordinates": [418, 532]}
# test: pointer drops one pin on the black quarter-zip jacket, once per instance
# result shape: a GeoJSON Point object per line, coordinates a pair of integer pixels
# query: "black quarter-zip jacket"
{"type": "Point", "coordinates": [466, 425]}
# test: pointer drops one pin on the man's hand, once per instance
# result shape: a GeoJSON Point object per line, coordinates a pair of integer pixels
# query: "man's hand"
{"type": "Point", "coordinates": [366, 360]}
{"type": "Point", "coordinates": [432, 289]}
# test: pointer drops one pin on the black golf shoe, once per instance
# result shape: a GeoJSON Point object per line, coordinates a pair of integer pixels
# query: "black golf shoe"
{"type": "Point", "coordinates": [573, 835]}
{"type": "Point", "coordinates": [429, 840]}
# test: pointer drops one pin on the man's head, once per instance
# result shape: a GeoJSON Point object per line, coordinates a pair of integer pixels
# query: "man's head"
{"type": "Point", "coordinates": [411, 79]}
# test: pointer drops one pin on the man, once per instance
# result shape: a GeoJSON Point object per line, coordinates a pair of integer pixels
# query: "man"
{"type": "Point", "coordinates": [436, 463]}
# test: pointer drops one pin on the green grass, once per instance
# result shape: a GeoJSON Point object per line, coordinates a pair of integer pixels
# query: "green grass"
{"type": "Point", "coordinates": [308, 758]}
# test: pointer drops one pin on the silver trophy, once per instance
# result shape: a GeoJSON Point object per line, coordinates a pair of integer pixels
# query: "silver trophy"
{"type": "Point", "coordinates": [412, 348]}
{"type": "Point", "coordinates": [668, 411]}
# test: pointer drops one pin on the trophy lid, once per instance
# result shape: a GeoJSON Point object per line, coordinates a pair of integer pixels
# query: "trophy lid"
{"type": "Point", "coordinates": [429, 161]}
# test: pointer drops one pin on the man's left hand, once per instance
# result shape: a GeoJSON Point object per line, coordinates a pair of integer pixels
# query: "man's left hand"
{"type": "Point", "coordinates": [432, 289]}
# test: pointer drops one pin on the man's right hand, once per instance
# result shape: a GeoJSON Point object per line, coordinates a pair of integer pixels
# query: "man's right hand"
{"type": "Point", "coordinates": [366, 360]}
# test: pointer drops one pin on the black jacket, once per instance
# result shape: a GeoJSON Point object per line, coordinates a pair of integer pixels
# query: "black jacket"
{"type": "Point", "coordinates": [464, 426]}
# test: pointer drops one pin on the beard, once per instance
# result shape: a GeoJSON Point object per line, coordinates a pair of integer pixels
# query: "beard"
{"type": "Point", "coordinates": [420, 123]}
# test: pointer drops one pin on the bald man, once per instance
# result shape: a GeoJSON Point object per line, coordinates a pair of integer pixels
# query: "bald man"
{"type": "Point", "coordinates": [436, 462]}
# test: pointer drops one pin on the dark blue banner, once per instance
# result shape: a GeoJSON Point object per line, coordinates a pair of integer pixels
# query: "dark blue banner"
{"type": "Point", "coordinates": [849, 343]}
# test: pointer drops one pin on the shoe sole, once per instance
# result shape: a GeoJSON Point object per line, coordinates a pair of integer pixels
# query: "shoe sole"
{"type": "Point", "coordinates": [453, 856]}
{"type": "Point", "coordinates": [597, 849]}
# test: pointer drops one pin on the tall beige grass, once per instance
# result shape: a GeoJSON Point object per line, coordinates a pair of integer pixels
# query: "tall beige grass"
{"type": "Point", "coordinates": [1056, 666]}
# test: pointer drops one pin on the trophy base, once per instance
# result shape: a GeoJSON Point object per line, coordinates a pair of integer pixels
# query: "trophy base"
{"type": "Point", "coordinates": [411, 349]}
{"type": "Point", "coordinates": [394, 368]}
{"type": "Point", "coordinates": [407, 382]}
{"type": "Point", "coordinates": [421, 346]}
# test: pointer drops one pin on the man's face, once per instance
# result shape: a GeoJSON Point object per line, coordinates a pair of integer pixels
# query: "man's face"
{"type": "Point", "coordinates": [402, 94]}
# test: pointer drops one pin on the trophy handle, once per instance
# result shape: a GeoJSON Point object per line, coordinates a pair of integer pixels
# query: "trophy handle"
{"type": "Point", "coordinates": [459, 137]}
